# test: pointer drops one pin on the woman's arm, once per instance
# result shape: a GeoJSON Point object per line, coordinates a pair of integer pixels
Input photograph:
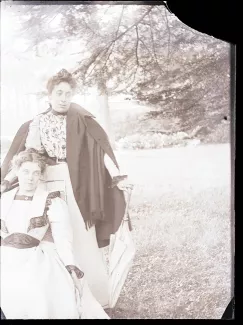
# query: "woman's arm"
{"type": "Point", "coordinates": [33, 139]}
{"type": "Point", "coordinates": [9, 178]}
{"type": "Point", "coordinates": [111, 167]}
{"type": "Point", "coordinates": [8, 181]}
{"type": "Point", "coordinates": [117, 179]}
{"type": "Point", "coordinates": [63, 235]}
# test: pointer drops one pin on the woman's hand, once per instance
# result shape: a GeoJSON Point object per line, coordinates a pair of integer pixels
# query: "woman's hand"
{"type": "Point", "coordinates": [79, 283]}
{"type": "Point", "coordinates": [124, 185]}
{"type": "Point", "coordinates": [121, 182]}
{"type": "Point", "coordinates": [77, 276]}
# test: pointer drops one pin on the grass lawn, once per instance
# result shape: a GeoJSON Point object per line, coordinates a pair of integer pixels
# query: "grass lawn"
{"type": "Point", "coordinates": [180, 210]}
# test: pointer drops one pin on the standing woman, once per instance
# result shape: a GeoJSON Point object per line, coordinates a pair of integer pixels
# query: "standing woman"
{"type": "Point", "coordinates": [79, 154]}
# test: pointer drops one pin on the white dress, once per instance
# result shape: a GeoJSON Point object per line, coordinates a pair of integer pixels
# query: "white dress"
{"type": "Point", "coordinates": [48, 132]}
{"type": "Point", "coordinates": [35, 283]}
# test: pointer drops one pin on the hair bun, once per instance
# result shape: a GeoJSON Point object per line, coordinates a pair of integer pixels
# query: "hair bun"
{"type": "Point", "coordinates": [63, 74]}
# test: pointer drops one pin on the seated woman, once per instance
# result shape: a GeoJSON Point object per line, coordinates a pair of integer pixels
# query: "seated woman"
{"type": "Point", "coordinates": [38, 283]}
{"type": "Point", "coordinates": [81, 160]}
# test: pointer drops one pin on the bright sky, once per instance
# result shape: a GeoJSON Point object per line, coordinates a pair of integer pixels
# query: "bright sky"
{"type": "Point", "coordinates": [7, 26]}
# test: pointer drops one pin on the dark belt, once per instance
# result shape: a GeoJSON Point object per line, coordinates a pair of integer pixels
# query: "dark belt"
{"type": "Point", "coordinates": [52, 161]}
{"type": "Point", "coordinates": [20, 241]}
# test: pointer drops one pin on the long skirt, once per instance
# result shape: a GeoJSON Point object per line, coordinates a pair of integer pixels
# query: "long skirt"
{"type": "Point", "coordinates": [36, 285]}
{"type": "Point", "coordinates": [89, 257]}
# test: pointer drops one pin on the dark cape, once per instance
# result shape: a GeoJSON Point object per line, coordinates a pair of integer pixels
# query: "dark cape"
{"type": "Point", "coordinates": [87, 143]}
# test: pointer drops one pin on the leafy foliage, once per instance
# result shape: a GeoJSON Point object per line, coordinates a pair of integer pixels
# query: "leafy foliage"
{"type": "Point", "coordinates": [143, 51]}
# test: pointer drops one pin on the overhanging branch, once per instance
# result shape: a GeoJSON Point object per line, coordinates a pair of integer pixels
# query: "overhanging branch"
{"type": "Point", "coordinates": [106, 48]}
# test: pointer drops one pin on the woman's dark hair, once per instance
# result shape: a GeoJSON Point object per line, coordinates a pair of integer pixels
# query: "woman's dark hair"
{"type": "Point", "coordinates": [29, 155]}
{"type": "Point", "coordinates": [61, 76]}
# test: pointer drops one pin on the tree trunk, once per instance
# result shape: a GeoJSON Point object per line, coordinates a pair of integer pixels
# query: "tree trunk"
{"type": "Point", "coordinates": [104, 113]}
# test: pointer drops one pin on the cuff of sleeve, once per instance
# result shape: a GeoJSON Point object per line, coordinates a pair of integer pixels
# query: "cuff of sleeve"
{"type": "Point", "coordinates": [77, 271]}
{"type": "Point", "coordinates": [6, 183]}
{"type": "Point", "coordinates": [117, 179]}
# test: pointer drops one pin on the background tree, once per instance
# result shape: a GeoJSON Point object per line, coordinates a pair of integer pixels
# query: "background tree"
{"type": "Point", "coordinates": [143, 51]}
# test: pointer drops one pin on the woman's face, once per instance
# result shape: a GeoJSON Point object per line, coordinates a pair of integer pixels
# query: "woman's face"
{"type": "Point", "coordinates": [29, 175]}
{"type": "Point", "coordinates": [61, 97]}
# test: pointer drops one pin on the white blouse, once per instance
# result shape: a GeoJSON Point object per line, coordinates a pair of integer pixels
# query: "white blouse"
{"type": "Point", "coordinates": [18, 218]}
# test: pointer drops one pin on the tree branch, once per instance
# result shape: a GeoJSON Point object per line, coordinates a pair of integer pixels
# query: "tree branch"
{"type": "Point", "coordinates": [168, 30]}
{"type": "Point", "coordinates": [145, 46]}
{"type": "Point", "coordinates": [136, 51]}
{"type": "Point", "coordinates": [194, 68]}
{"type": "Point", "coordinates": [134, 73]}
{"type": "Point", "coordinates": [107, 47]}
{"type": "Point", "coordinates": [117, 31]}
{"type": "Point", "coordinates": [52, 10]}
{"type": "Point", "coordinates": [153, 45]}
{"type": "Point", "coordinates": [129, 28]}
{"type": "Point", "coordinates": [107, 9]}
{"type": "Point", "coordinates": [182, 25]}
{"type": "Point", "coordinates": [52, 19]}
{"type": "Point", "coordinates": [85, 68]}
{"type": "Point", "coordinates": [135, 24]}
{"type": "Point", "coordinates": [89, 28]}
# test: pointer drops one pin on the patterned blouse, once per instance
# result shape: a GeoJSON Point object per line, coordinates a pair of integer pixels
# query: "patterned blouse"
{"type": "Point", "coordinates": [53, 134]}
{"type": "Point", "coordinates": [47, 132]}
